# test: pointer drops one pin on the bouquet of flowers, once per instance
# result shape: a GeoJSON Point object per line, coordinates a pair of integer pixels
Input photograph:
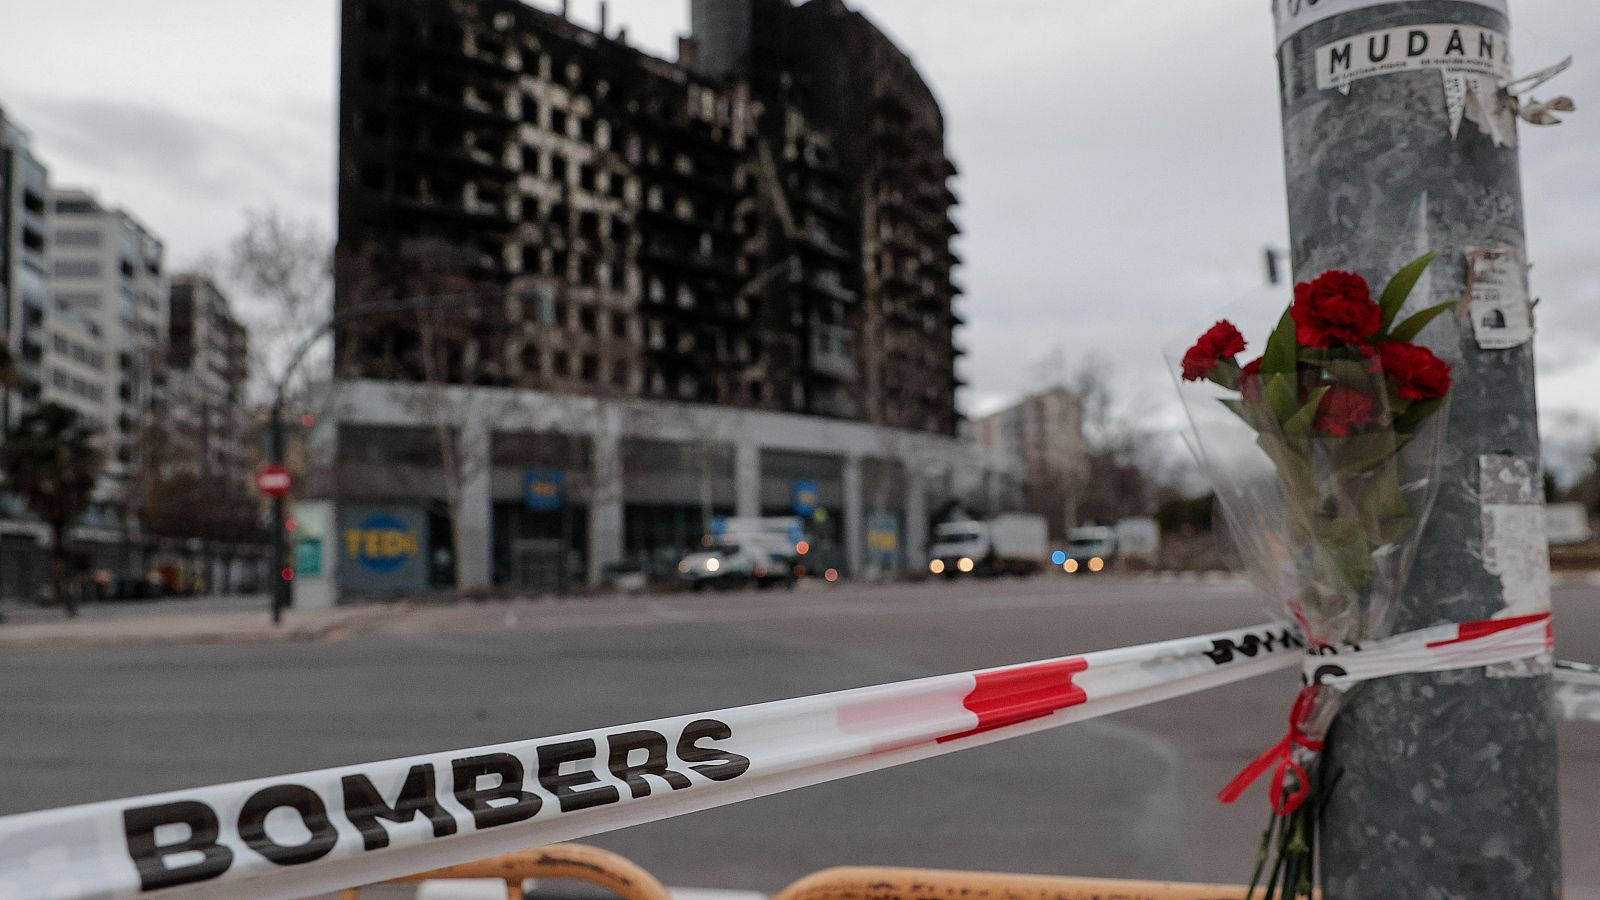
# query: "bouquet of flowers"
{"type": "Point", "coordinates": [1324, 453]}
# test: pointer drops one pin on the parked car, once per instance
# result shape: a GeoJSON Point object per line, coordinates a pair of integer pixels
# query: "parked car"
{"type": "Point", "coordinates": [728, 565]}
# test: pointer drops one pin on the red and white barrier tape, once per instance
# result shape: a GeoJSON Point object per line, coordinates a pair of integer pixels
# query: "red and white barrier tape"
{"type": "Point", "coordinates": [1436, 649]}
{"type": "Point", "coordinates": [335, 828]}
{"type": "Point", "coordinates": [1466, 645]}
{"type": "Point", "coordinates": [322, 831]}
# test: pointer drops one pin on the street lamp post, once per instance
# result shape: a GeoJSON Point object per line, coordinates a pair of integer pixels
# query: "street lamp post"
{"type": "Point", "coordinates": [282, 585]}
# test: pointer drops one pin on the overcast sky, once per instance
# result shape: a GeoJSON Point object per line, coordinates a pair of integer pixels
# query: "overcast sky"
{"type": "Point", "coordinates": [1120, 161]}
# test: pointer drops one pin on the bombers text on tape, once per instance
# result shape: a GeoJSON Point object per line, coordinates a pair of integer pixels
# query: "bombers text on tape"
{"type": "Point", "coordinates": [323, 831]}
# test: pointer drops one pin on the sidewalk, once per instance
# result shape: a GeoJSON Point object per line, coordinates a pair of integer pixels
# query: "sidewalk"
{"type": "Point", "coordinates": [188, 620]}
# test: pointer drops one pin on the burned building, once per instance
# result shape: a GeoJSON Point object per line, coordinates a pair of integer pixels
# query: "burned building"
{"type": "Point", "coordinates": [590, 302]}
{"type": "Point", "coordinates": [764, 223]}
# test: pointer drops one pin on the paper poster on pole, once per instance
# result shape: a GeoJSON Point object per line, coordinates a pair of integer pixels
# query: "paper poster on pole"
{"type": "Point", "coordinates": [1410, 48]}
{"type": "Point", "coordinates": [1293, 15]}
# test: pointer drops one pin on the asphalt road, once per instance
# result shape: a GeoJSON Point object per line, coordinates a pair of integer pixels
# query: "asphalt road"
{"type": "Point", "coordinates": [1130, 795]}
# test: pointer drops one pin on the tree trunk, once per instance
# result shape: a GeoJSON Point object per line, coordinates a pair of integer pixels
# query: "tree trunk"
{"type": "Point", "coordinates": [58, 570]}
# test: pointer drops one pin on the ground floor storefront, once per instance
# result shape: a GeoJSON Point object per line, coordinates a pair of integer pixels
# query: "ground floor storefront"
{"type": "Point", "coordinates": [418, 487]}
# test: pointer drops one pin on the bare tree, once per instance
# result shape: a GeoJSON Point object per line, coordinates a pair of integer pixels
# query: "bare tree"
{"type": "Point", "coordinates": [1124, 468]}
{"type": "Point", "coordinates": [282, 269]}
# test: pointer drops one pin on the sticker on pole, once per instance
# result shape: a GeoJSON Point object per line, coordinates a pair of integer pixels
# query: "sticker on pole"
{"type": "Point", "coordinates": [1411, 48]}
{"type": "Point", "coordinates": [1293, 15]}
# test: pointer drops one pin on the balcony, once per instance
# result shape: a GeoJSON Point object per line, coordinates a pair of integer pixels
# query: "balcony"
{"type": "Point", "coordinates": [827, 283]}
{"type": "Point", "coordinates": [823, 244]}
{"type": "Point", "coordinates": [690, 258]}
{"type": "Point", "coordinates": [459, 160]}
{"type": "Point", "coordinates": [480, 214]}
{"type": "Point", "coordinates": [458, 106]}
{"type": "Point", "coordinates": [825, 203]}
{"type": "Point", "coordinates": [831, 352]}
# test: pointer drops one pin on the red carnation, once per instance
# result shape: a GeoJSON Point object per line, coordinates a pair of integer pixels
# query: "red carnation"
{"type": "Point", "coordinates": [1414, 371]}
{"type": "Point", "coordinates": [1334, 309]}
{"type": "Point", "coordinates": [1250, 381]}
{"type": "Point", "coordinates": [1343, 410]}
{"type": "Point", "coordinates": [1220, 342]}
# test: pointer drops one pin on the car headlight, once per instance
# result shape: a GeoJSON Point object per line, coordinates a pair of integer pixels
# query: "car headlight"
{"type": "Point", "coordinates": [1096, 564]}
{"type": "Point", "coordinates": [1070, 566]}
{"type": "Point", "coordinates": [683, 567]}
{"type": "Point", "coordinates": [713, 564]}
{"type": "Point", "coordinates": [965, 564]}
{"type": "Point", "coordinates": [936, 566]}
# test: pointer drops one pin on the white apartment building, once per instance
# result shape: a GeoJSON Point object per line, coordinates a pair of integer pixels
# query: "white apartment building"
{"type": "Point", "coordinates": [110, 297]}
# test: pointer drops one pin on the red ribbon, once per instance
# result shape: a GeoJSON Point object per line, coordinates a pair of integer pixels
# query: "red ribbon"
{"type": "Point", "coordinates": [1281, 755]}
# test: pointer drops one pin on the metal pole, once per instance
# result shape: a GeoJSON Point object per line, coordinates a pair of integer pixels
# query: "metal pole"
{"type": "Point", "coordinates": [281, 586]}
{"type": "Point", "coordinates": [1446, 782]}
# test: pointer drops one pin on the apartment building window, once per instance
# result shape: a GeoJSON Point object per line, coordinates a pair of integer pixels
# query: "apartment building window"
{"type": "Point", "coordinates": [77, 268]}
{"type": "Point", "coordinates": [591, 368]}
{"type": "Point", "coordinates": [549, 309]}
{"type": "Point", "coordinates": [77, 237]}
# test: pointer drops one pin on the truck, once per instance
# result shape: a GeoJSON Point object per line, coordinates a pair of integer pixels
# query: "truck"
{"type": "Point", "coordinates": [1009, 543]}
{"type": "Point", "coordinates": [1138, 541]}
{"type": "Point", "coordinates": [1089, 548]}
{"type": "Point", "coordinates": [1566, 524]}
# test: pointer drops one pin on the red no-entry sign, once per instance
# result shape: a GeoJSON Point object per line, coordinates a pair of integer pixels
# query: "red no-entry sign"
{"type": "Point", "coordinates": [274, 481]}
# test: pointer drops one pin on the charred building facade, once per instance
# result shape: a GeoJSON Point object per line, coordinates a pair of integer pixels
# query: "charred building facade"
{"type": "Point", "coordinates": [764, 223]}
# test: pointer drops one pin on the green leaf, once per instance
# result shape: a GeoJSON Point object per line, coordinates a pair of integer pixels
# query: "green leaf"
{"type": "Point", "coordinates": [1280, 393]}
{"type": "Point", "coordinates": [1360, 453]}
{"type": "Point", "coordinates": [1409, 329]}
{"type": "Point", "coordinates": [1279, 358]}
{"type": "Point", "coordinates": [1299, 424]}
{"type": "Point", "coordinates": [1399, 287]}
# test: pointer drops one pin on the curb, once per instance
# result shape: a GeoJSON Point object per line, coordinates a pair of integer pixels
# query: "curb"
{"type": "Point", "coordinates": [236, 628]}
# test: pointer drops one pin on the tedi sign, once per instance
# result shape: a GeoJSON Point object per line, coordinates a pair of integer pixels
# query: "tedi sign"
{"type": "Point", "coordinates": [381, 543]}
{"type": "Point", "coordinates": [1451, 48]}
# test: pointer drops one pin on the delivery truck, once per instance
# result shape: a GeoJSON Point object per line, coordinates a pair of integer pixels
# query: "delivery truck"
{"type": "Point", "coordinates": [1010, 543]}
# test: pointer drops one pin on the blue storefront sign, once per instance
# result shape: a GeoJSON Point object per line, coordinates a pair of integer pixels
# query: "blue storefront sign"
{"type": "Point", "coordinates": [807, 497]}
{"type": "Point", "coordinates": [543, 489]}
{"type": "Point", "coordinates": [382, 543]}
{"type": "Point", "coordinates": [379, 547]}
